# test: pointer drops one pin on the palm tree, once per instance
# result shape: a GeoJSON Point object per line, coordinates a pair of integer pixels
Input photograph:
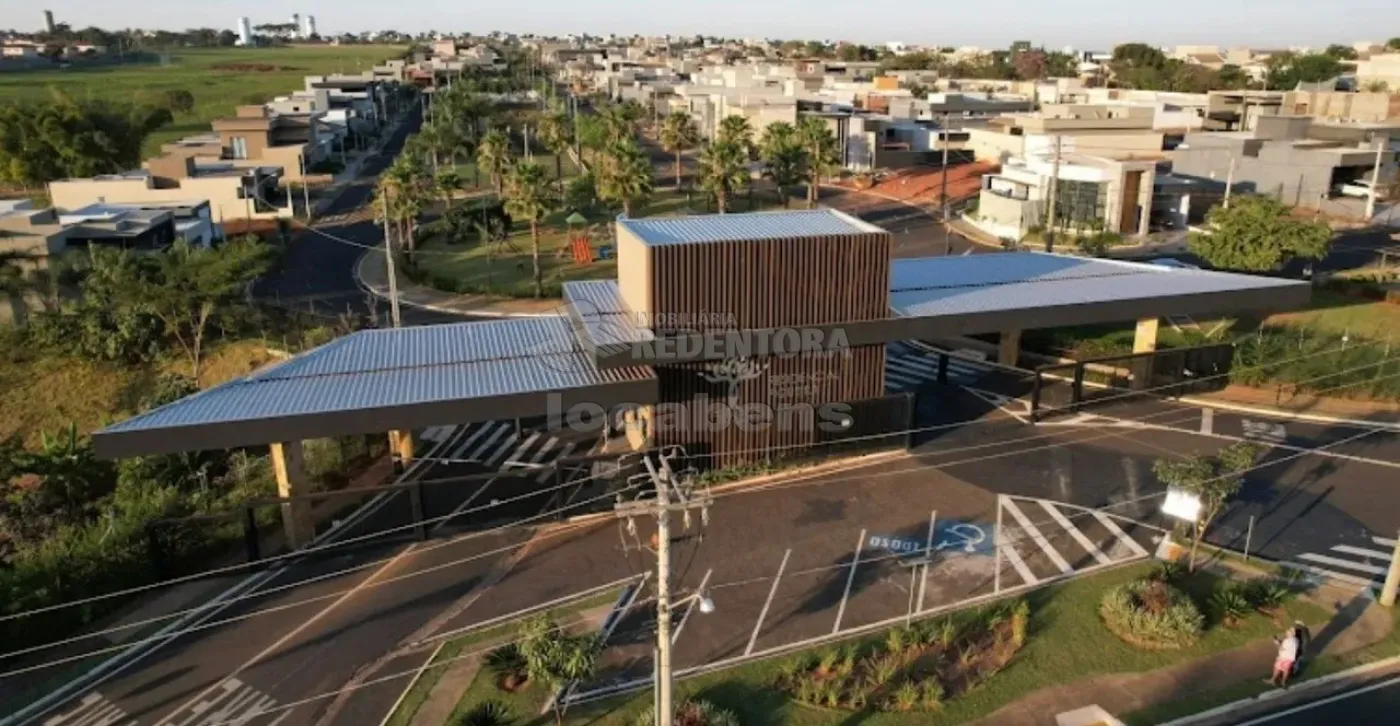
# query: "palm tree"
{"type": "Point", "coordinates": [409, 187]}
{"type": "Point", "coordinates": [447, 181]}
{"type": "Point", "coordinates": [782, 156]}
{"type": "Point", "coordinates": [556, 133]}
{"type": "Point", "coordinates": [618, 124]}
{"type": "Point", "coordinates": [624, 176]}
{"type": "Point", "coordinates": [821, 151]}
{"type": "Point", "coordinates": [678, 133]}
{"type": "Point", "coordinates": [528, 197]}
{"type": "Point", "coordinates": [493, 154]}
{"type": "Point", "coordinates": [723, 169]}
{"type": "Point", "coordinates": [736, 129]}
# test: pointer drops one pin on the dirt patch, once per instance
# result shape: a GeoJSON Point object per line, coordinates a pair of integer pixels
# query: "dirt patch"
{"type": "Point", "coordinates": [253, 68]}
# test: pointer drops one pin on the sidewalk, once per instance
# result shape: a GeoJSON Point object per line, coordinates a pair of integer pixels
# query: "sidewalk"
{"type": "Point", "coordinates": [1281, 400]}
{"type": "Point", "coordinates": [1357, 625]}
{"type": "Point", "coordinates": [371, 273]}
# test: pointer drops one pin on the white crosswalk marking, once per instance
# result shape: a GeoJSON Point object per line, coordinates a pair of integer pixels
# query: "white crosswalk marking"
{"type": "Point", "coordinates": [1074, 532]}
{"type": "Point", "coordinates": [1036, 536]}
{"type": "Point", "coordinates": [460, 451]}
{"type": "Point", "coordinates": [1264, 431]}
{"type": "Point", "coordinates": [92, 710]}
{"type": "Point", "coordinates": [487, 443]}
{"type": "Point", "coordinates": [506, 443]}
{"type": "Point", "coordinates": [908, 367]}
{"type": "Point", "coordinates": [232, 702]}
{"type": "Point", "coordinates": [1364, 566]}
{"type": "Point", "coordinates": [1009, 552]}
{"type": "Point", "coordinates": [514, 457]}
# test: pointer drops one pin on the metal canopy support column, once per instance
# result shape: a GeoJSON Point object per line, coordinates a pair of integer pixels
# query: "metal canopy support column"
{"type": "Point", "coordinates": [297, 521]}
{"type": "Point", "coordinates": [401, 449]}
{"type": "Point", "coordinates": [1009, 347]}
{"type": "Point", "coordinates": [1145, 339]}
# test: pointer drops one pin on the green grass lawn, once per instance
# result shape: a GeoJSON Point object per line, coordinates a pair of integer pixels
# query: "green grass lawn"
{"type": "Point", "coordinates": [1067, 642]}
{"type": "Point", "coordinates": [216, 90]}
{"type": "Point", "coordinates": [466, 266]}
{"type": "Point", "coordinates": [1334, 312]}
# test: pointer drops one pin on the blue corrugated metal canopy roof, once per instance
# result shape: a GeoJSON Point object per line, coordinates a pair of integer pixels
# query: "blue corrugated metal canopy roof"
{"type": "Point", "coordinates": [1031, 281]}
{"type": "Point", "coordinates": [379, 380]}
{"type": "Point", "coordinates": [740, 227]}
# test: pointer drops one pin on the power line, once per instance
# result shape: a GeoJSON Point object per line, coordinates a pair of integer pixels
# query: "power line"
{"type": "Point", "coordinates": [864, 477]}
{"type": "Point", "coordinates": [430, 459]}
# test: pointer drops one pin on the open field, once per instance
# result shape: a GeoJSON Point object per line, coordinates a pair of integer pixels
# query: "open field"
{"type": "Point", "coordinates": [212, 75]}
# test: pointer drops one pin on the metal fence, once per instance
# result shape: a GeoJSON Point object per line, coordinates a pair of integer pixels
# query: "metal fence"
{"type": "Point", "coordinates": [1170, 373]}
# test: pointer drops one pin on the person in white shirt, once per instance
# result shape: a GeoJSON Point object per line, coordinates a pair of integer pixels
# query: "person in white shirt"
{"type": "Point", "coordinates": [1283, 662]}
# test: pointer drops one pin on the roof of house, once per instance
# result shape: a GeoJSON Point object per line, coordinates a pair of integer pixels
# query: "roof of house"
{"type": "Point", "coordinates": [754, 226]}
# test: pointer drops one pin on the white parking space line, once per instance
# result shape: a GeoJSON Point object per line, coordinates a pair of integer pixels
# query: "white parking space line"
{"type": "Point", "coordinates": [1075, 532]}
{"type": "Point", "coordinates": [850, 580]}
{"type": "Point", "coordinates": [1118, 532]}
{"type": "Point", "coordinates": [1036, 536]}
{"type": "Point", "coordinates": [1207, 421]}
{"type": "Point", "coordinates": [753, 638]}
{"type": "Point", "coordinates": [928, 553]}
{"type": "Point", "coordinates": [690, 608]}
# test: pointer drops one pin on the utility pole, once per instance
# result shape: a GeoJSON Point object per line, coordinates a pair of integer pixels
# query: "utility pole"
{"type": "Point", "coordinates": [1384, 142]}
{"type": "Point", "coordinates": [1054, 193]}
{"type": "Point", "coordinates": [1229, 180]}
{"type": "Point", "coordinates": [305, 188]}
{"type": "Point", "coordinates": [389, 263]}
{"type": "Point", "coordinates": [943, 193]}
{"type": "Point", "coordinates": [674, 493]}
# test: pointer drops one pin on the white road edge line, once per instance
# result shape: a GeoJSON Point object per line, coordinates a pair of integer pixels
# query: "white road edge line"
{"type": "Point", "coordinates": [753, 638]}
{"type": "Point", "coordinates": [850, 580]}
{"type": "Point", "coordinates": [411, 683]}
{"type": "Point", "coordinates": [1036, 536]}
{"type": "Point", "coordinates": [928, 555]}
{"type": "Point", "coordinates": [690, 607]}
{"type": "Point", "coordinates": [1074, 532]}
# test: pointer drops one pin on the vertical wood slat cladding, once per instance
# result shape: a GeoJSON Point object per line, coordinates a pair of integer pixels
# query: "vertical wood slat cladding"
{"type": "Point", "coordinates": [693, 410]}
{"type": "Point", "coordinates": [775, 283]}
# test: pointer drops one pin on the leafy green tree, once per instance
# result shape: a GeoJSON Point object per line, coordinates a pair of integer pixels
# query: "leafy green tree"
{"type": "Point", "coordinates": [448, 182]}
{"type": "Point", "coordinates": [556, 658]}
{"type": "Point", "coordinates": [409, 187]}
{"type": "Point", "coordinates": [70, 477]}
{"type": "Point", "coordinates": [1340, 52]}
{"type": "Point", "coordinates": [618, 124]}
{"type": "Point", "coordinates": [493, 155]}
{"type": "Point", "coordinates": [1286, 70]}
{"type": "Point", "coordinates": [821, 153]}
{"type": "Point", "coordinates": [528, 197]}
{"type": "Point", "coordinates": [590, 134]}
{"type": "Point", "coordinates": [581, 194]}
{"type": "Point", "coordinates": [179, 101]}
{"type": "Point", "coordinates": [186, 287]}
{"type": "Point", "coordinates": [723, 169]}
{"type": "Point", "coordinates": [44, 141]}
{"type": "Point", "coordinates": [678, 133]}
{"type": "Point", "coordinates": [624, 176]}
{"type": "Point", "coordinates": [1257, 234]}
{"type": "Point", "coordinates": [1232, 77]}
{"type": "Point", "coordinates": [1214, 478]}
{"type": "Point", "coordinates": [13, 279]}
{"type": "Point", "coordinates": [555, 134]}
{"type": "Point", "coordinates": [782, 155]}
{"type": "Point", "coordinates": [1392, 44]}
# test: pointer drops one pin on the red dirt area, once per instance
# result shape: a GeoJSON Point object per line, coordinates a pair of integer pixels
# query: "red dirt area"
{"type": "Point", "coordinates": [924, 184]}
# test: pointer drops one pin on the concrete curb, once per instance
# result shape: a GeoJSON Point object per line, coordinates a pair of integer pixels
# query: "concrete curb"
{"type": "Point", "coordinates": [366, 287]}
{"type": "Point", "coordinates": [1235, 707]}
{"type": "Point", "coordinates": [1286, 414]}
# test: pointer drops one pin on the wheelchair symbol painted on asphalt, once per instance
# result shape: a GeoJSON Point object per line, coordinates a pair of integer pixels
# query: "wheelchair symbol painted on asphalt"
{"type": "Point", "coordinates": [962, 536]}
{"type": "Point", "coordinates": [950, 537]}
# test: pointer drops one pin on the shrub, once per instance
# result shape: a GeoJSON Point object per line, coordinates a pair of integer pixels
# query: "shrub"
{"type": "Point", "coordinates": [947, 632]}
{"type": "Point", "coordinates": [828, 660]}
{"type": "Point", "coordinates": [905, 696]}
{"type": "Point", "coordinates": [931, 695]}
{"type": "Point", "coordinates": [1230, 606]}
{"type": "Point", "coordinates": [509, 665]}
{"type": "Point", "coordinates": [1168, 571]}
{"type": "Point", "coordinates": [694, 713]}
{"type": "Point", "coordinates": [487, 713]}
{"type": "Point", "coordinates": [883, 670]}
{"type": "Point", "coordinates": [1265, 595]}
{"type": "Point", "coordinates": [897, 639]}
{"type": "Point", "coordinates": [1020, 619]}
{"type": "Point", "coordinates": [1151, 614]}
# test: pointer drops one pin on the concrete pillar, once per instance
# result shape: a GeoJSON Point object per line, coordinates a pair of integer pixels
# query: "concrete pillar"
{"type": "Point", "coordinates": [1009, 347]}
{"type": "Point", "coordinates": [401, 449]}
{"type": "Point", "coordinates": [638, 424]}
{"type": "Point", "coordinates": [1145, 340]}
{"type": "Point", "coordinates": [1392, 578]}
{"type": "Point", "coordinates": [297, 521]}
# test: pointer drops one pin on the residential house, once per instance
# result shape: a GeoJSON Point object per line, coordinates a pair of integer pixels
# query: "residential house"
{"type": "Point", "coordinates": [34, 234]}
{"type": "Point", "coordinates": [1343, 106]}
{"type": "Point", "coordinates": [232, 193]}
{"type": "Point", "coordinates": [193, 220]}
{"type": "Point", "coordinates": [1298, 159]}
{"type": "Point", "coordinates": [19, 51]}
{"type": "Point", "coordinates": [256, 136]}
{"type": "Point", "coordinates": [1079, 127]}
{"type": "Point", "coordinates": [1172, 113]}
{"type": "Point", "coordinates": [1379, 68]}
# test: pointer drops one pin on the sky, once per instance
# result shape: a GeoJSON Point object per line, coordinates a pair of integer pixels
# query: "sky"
{"type": "Point", "coordinates": [987, 23]}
